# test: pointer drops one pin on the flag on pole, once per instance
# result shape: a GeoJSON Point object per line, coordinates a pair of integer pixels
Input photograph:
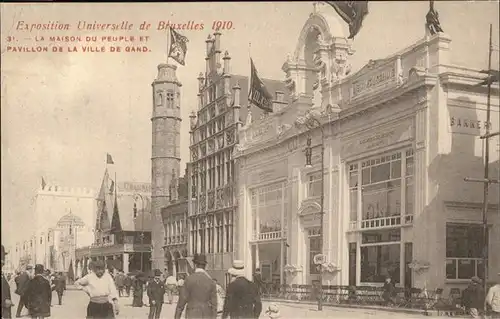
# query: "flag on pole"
{"type": "Point", "coordinates": [109, 159]}
{"type": "Point", "coordinates": [178, 47]}
{"type": "Point", "coordinates": [352, 12]}
{"type": "Point", "coordinates": [43, 183]}
{"type": "Point", "coordinates": [258, 93]}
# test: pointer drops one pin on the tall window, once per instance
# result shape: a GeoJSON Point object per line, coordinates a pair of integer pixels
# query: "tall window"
{"type": "Point", "coordinates": [170, 99]}
{"type": "Point", "coordinates": [380, 255]}
{"type": "Point", "coordinates": [353, 191]}
{"type": "Point", "coordinates": [464, 246]}
{"type": "Point", "coordinates": [268, 205]}
{"type": "Point", "coordinates": [228, 222]}
{"type": "Point", "coordinates": [314, 249]}
{"type": "Point", "coordinates": [219, 226]}
{"type": "Point", "coordinates": [314, 185]}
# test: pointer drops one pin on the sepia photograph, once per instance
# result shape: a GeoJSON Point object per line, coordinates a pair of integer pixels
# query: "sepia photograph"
{"type": "Point", "coordinates": [244, 160]}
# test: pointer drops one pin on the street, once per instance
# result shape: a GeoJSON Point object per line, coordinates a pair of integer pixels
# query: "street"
{"type": "Point", "coordinates": [75, 306]}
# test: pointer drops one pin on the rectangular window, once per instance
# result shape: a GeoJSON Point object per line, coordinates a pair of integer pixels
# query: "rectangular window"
{"type": "Point", "coordinates": [464, 246]}
{"type": "Point", "coordinates": [380, 261]}
{"type": "Point", "coordinates": [314, 185]}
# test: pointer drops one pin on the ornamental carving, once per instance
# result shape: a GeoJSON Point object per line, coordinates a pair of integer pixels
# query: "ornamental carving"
{"type": "Point", "coordinates": [219, 202]}
{"type": "Point", "coordinates": [419, 266]}
{"type": "Point", "coordinates": [203, 148]}
{"type": "Point", "coordinates": [221, 106]}
{"type": "Point", "coordinates": [221, 141]}
{"type": "Point", "coordinates": [282, 129]}
{"type": "Point", "coordinates": [211, 146]}
{"type": "Point", "coordinates": [203, 203]}
{"type": "Point", "coordinates": [230, 117]}
{"type": "Point", "coordinates": [230, 137]}
{"type": "Point", "coordinates": [292, 270]}
{"type": "Point", "coordinates": [211, 200]}
{"type": "Point", "coordinates": [194, 154]}
{"type": "Point", "coordinates": [329, 267]}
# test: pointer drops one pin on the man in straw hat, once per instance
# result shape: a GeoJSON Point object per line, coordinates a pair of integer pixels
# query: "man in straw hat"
{"type": "Point", "coordinates": [242, 295]}
{"type": "Point", "coordinates": [199, 293]}
{"type": "Point", "coordinates": [100, 287]}
{"type": "Point", "coordinates": [6, 298]}
{"type": "Point", "coordinates": [493, 300]}
{"type": "Point", "coordinates": [156, 293]}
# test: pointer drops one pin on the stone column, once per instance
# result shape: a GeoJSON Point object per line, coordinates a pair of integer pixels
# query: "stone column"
{"type": "Point", "coordinates": [125, 262]}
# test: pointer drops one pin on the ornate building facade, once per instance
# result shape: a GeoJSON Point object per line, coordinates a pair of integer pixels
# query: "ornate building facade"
{"type": "Point", "coordinates": [399, 137]}
{"type": "Point", "coordinates": [222, 103]}
{"type": "Point", "coordinates": [165, 160]}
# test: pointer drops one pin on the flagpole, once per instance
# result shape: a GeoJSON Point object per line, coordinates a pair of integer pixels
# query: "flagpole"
{"type": "Point", "coordinates": [250, 78]}
{"type": "Point", "coordinates": [168, 43]}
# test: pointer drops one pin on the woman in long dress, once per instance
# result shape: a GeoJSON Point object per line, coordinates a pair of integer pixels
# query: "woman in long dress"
{"type": "Point", "coordinates": [138, 290]}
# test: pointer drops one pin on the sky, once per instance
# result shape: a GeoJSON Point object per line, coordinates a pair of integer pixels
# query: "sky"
{"type": "Point", "coordinates": [62, 112]}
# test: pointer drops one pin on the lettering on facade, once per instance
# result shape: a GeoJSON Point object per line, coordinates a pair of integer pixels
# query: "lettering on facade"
{"type": "Point", "coordinates": [359, 86]}
{"type": "Point", "coordinates": [400, 133]}
{"type": "Point", "coordinates": [471, 121]}
{"type": "Point", "coordinates": [137, 187]}
{"type": "Point", "coordinates": [276, 172]}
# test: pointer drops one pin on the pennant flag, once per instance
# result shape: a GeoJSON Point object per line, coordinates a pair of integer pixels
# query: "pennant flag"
{"type": "Point", "coordinates": [115, 221]}
{"type": "Point", "coordinates": [178, 47]}
{"type": "Point", "coordinates": [109, 159]}
{"type": "Point", "coordinates": [258, 93]}
{"type": "Point", "coordinates": [43, 183]}
{"type": "Point", "coordinates": [493, 76]}
{"type": "Point", "coordinates": [352, 12]}
{"type": "Point", "coordinates": [432, 19]}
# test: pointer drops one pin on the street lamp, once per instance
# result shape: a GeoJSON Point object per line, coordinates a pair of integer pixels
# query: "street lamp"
{"type": "Point", "coordinates": [142, 225]}
{"type": "Point", "coordinates": [311, 121]}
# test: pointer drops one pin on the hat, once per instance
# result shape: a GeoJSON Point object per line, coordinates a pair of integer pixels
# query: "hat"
{"type": "Point", "coordinates": [476, 280]}
{"type": "Point", "coordinates": [238, 269]}
{"type": "Point", "coordinates": [273, 311]}
{"type": "Point", "coordinates": [39, 269]}
{"type": "Point", "coordinates": [200, 259]}
{"type": "Point", "coordinates": [157, 272]}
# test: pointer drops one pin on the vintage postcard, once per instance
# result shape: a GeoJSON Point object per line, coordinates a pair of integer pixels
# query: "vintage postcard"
{"type": "Point", "coordinates": [322, 159]}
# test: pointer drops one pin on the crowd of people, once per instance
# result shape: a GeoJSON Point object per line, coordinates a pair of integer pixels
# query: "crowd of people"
{"type": "Point", "coordinates": [35, 286]}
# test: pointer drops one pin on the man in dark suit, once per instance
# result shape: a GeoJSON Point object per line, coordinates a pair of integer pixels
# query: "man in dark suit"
{"type": "Point", "coordinates": [6, 298]}
{"type": "Point", "coordinates": [38, 294]}
{"type": "Point", "coordinates": [21, 285]}
{"type": "Point", "coordinates": [156, 292]}
{"type": "Point", "coordinates": [242, 295]}
{"type": "Point", "coordinates": [60, 286]}
{"type": "Point", "coordinates": [199, 293]}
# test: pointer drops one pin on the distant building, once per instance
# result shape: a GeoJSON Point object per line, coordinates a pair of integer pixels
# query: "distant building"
{"type": "Point", "coordinates": [222, 104]}
{"type": "Point", "coordinates": [122, 235]}
{"type": "Point", "coordinates": [57, 212]}
{"type": "Point", "coordinates": [176, 229]}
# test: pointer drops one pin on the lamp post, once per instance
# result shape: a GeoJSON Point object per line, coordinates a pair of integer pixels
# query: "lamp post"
{"type": "Point", "coordinates": [142, 225]}
{"type": "Point", "coordinates": [311, 121]}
